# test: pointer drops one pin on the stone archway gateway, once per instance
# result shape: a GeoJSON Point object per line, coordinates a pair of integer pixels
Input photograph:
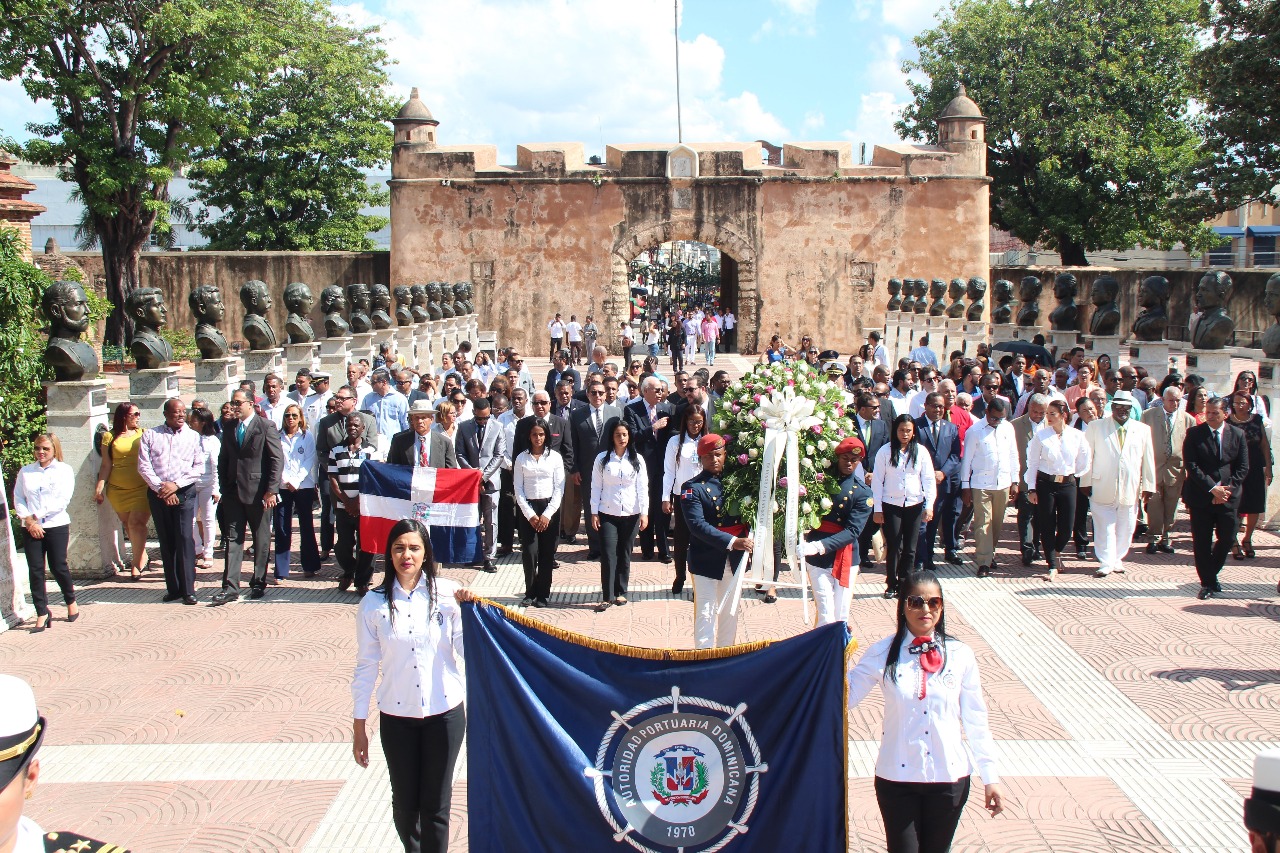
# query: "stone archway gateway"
{"type": "Point", "coordinates": [812, 237]}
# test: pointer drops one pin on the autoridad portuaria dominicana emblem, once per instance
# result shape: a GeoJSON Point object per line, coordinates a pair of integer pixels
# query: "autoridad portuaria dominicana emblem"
{"type": "Point", "coordinates": [678, 773]}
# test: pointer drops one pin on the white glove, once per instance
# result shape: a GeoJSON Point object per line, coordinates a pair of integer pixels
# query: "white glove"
{"type": "Point", "coordinates": [810, 549]}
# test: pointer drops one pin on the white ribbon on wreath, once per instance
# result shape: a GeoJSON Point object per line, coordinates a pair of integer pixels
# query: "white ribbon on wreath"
{"type": "Point", "coordinates": [783, 415]}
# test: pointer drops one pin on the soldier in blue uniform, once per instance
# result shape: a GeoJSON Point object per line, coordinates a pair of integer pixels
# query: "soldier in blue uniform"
{"type": "Point", "coordinates": [712, 536]}
{"type": "Point", "coordinates": [831, 551]}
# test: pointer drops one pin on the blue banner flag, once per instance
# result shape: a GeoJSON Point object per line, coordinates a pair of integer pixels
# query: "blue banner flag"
{"type": "Point", "coordinates": [575, 744]}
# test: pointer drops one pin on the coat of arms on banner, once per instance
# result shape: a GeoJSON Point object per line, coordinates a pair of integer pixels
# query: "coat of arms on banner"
{"type": "Point", "coordinates": [678, 778]}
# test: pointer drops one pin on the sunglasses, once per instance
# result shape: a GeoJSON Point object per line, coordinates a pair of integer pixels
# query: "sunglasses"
{"type": "Point", "coordinates": [293, 417]}
{"type": "Point", "coordinates": [918, 602]}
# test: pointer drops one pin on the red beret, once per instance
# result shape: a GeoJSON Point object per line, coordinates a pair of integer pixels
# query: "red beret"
{"type": "Point", "coordinates": [848, 445]}
{"type": "Point", "coordinates": [709, 444]}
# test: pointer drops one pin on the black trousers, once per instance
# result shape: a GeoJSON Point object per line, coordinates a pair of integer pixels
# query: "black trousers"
{"type": "Point", "coordinates": [656, 532]}
{"type": "Point", "coordinates": [326, 518]}
{"type": "Point", "coordinates": [1028, 528]}
{"type": "Point", "coordinates": [1213, 530]}
{"type": "Point", "coordinates": [901, 536]}
{"type": "Point", "coordinates": [355, 564]}
{"type": "Point", "coordinates": [555, 348]}
{"type": "Point", "coordinates": [507, 510]}
{"type": "Point", "coordinates": [679, 540]}
{"type": "Point", "coordinates": [677, 358]}
{"type": "Point", "coordinates": [421, 754]}
{"type": "Point", "coordinates": [176, 532]}
{"type": "Point", "coordinates": [921, 817]}
{"type": "Point", "coordinates": [53, 548]}
{"type": "Point", "coordinates": [255, 516]}
{"type": "Point", "coordinates": [538, 551]}
{"type": "Point", "coordinates": [1080, 531]}
{"type": "Point", "coordinates": [1055, 513]}
{"type": "Point", "coordinates": [304, 501]}
{"type": "Point", "coordinates": [617, 535]}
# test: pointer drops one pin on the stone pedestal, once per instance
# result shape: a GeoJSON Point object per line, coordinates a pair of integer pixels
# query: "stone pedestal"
{"type": "Point", "coordinates": [449, 334]}
{"type": "Point", "coordinates": [406, 345]}
{"type": "Point", "coordinates": [1003, 332]}
{"type": "Point", "coordinates": [955, 336]}
{"type": "Point", "coordinates": [362, 347]}
{"type": "Point", "coordinates": [298, 356]}
{"type": "Point", "coordinates": [1108, 345]}
{"type": "Point", "coordinates": [258, 363]}
{"type": "Point", "coordinates": [75, 411]}
{"type": "Point", "coordinates": [334, 353]}
{"type": "Point", "coordinates": [974, 334]}
{"type": "Point", "coordinates": [424, 352]}
{"type": "Point", "coordinates": [1215, 366]}
{"type": "Point", "coordinates": [380, 337]}
{"type": "Point", "coordinates": [216, 378]}
{"type": "Point", "coordinates": [1062, 342]}
{"type": "Point", "coordinates": [436, 329]}
{"type": "Point", "coordinates": [148, 390]}
{"type": "Point", "coordinates": [901, 344]}
{"type": "Point", "coordinates": [1151, 356]}
{"type": "Point", "coordinates": [937, 329]}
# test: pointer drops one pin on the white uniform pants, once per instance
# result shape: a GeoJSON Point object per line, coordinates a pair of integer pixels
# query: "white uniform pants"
{"type": "Point", "coordinates": [715, 621]}
{"type": "Point", "coordinates": [1113, 534]}
{"type": "Point", "coordinates": [831, 598]}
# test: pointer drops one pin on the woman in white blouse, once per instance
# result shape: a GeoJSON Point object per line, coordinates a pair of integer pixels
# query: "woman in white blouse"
{"type": "Point", "coordinates": [1056, 458]}
{"type": "Point", "coordinates": [619, 510]}
{"type": "Point", "coordinates": [41, 495]}
{"type": "Point", "coordinates": [539, 484]}
{"type": "Point", "coordinates": [206, 488]}
{"type": "Point", "coordinates": [904, 488]}
{"type": "Point", "coordinates": [410, 629]}
{"type": "Point", "coordinates": [297, 491]}
{"type": "Point", "coordinates": [681, 465]}
{"type": "Point", "coordinates": [932, 704]}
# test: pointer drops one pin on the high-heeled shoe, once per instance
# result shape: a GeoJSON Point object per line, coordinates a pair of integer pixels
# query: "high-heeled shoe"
{"type": "Point", "coordinates": [48, 623]}
{"type": "Point", "coordinates": [1236, 553]}
{"type": "Point", "coordinates": [1247, 548]}
{"type": "Point", "coordinates": [71, 617]}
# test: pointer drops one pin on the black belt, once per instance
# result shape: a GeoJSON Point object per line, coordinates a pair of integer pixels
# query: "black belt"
{"type": "Point", "coordinates": [1057, 478]}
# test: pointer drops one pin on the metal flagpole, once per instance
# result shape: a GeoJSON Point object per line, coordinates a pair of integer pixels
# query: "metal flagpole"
{"type": "Point", "coordinates": [679, 121]}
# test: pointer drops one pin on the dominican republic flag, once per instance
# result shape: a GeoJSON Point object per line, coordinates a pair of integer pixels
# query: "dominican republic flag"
{"type": "Point", "coordinates": [446, 500]}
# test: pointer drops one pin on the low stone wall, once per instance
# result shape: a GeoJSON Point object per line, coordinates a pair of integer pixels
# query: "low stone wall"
{"type": "Point", "coordinates": [177, 273]}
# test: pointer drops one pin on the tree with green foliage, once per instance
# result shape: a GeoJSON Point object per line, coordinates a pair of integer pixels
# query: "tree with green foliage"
{"type": "Point", "coordinates": [1090, 144]}
{"type": "Point", "coordinates": [21, 352]}
{"type": "Point", "coordinates": [286, 172]}
{"type": "Point", "coordinates": [1237, 75]}
{"type": "Point", "coordinates": [136, 86]}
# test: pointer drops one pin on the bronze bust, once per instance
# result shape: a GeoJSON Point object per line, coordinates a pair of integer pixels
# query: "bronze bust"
{"type": "Point", "coordinates": [404, 305]}
{"type": "Point", "coordinates": [1271, 302]}
{"type": "Point", "coordinates": [908, 296]}
{"type": "Point", "coordinates": [298, 302]}
{"type": "Point", "coordinates": [1066, 317]}
{"type": "Point", "coordinates": [421, 303]}
{"type": "Point", "coordinates": [66, 308]}
{"type": "Point", "coordinates": [380, 300]}
{"type": "Point", "coordinates": [256, 299]}
{"type": "Point", "coordinates": [1105, 321]}
{"type": "Point", "coordinates": [955, 292]}
{"type": "Point", "coordinates": [333, 302]}
{"type": "Point", "coordinates": [938, 293]}
{"type": "Point", "coordinates": [358, 296]}
{"type": "Point", "coordinates": [206, 305]}
{"type": "Point", "coordinates": [922, 296]}
{"type": "Point", "coordinates": [976, 290]}
{"type": "Point", "coordinates": [895, 294]}
{"type": "Point", "coordinates": [1002, 293]}
{"type": "Point", "coordinates": [1215, 328]}
{"type": "Point", "coordinates": [145, 306]}
{"type": "Point", "coordinates": [1153, 320]}
{"type": "Point", "coordinates": [1029, 294]}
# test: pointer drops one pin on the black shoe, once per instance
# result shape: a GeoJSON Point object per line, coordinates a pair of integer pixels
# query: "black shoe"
{"type": "Point", "coordinates": [48, 623]}
{"type": "Point", "coordinates": [646, 555]}
{"type": "Point", "coordinates": [344, 584]}
{"type": "Point", "coordinates": [505, 551]}
{"type": "Point", "coordinates": [984, 571]}
{"type": "Point", "coordinates": [953, 557]}
{"type": "Point", "coordinates": [1151, 549]}
{"type": "Point", "coordinates": [1204, 593]}
{"type": "Point", "coordinates": [890, 593]}
{"type": "Point", "coordinates": [541, 602]}
{"type": "Point", "coordinates": [866, 565]}
{"type": "Point", "coordinates": [1166, 548]}
{"type": "Point", "coordinates": [488, 567]}
{"type": "Point", "coordinates": [568, 540]}
{"type": "Point", "coordinates": [171, 597]}
{"type": "Point", "coordinates": [1140, 529]}
{"type": "Point", "coordinates": [1027, 558]}
{"type": "Point", "coordinates": [526, 601]}
{"type": "Point", "coordinates": [188, 599]}
{"type": "Point", "coordinates": [665, 559]}
{"type": "Point", "coordinates": [677, 587]}
{"type": "Point", "coordinates": [770, 598]}
{"type": "Point", "coordinates": [256, 592]}
{"type": "Point", "coordinates": [593, 555]}
{"type": "Point", "coordinates": [225, 597]}
{"type": "Point", "coordinates": [602, 606]}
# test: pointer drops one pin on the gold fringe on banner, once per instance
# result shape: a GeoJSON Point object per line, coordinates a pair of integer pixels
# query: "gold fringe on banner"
{"type": "Point", "coordinates": [618, 648]}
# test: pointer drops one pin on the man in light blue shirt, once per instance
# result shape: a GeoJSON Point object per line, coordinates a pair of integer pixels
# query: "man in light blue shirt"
{"type": "Point", "coordinates": [390, 408]}
{"type": "Point", "coordinates": [922, 354]}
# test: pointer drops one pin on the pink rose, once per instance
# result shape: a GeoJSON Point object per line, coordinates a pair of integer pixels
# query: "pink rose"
{"type": "Point", "coordinates": [821, 477]}
{"type": "Point", "coordinates": [742, 459]}
{"type": "Point", "coordinates": [803, 490]}
{"type": "Point", "coordinates": [769, 389]}
{"type": "Point", "coordinates": [782, 482]}
{"type": "Point", "coordinates": [816, 429]}
{"type": "Point", "coordinates": [735, 408]}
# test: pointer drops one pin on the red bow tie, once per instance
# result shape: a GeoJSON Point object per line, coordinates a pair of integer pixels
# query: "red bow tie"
{"type": "Point", "coordinates": [930, 653]}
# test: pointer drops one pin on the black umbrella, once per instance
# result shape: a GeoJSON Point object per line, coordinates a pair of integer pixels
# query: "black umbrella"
{"type": "Point", "coordinates": [1033, 352]}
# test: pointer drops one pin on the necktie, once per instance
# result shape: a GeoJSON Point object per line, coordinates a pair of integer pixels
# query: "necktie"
{"type": "Point", "coordinates": [1120, 435]}
{"type": "Point", "coordinates": [935, 435]}
{"type": "Point", "coordinates": [1168, 433]}
{"type": "Point", "coordinates": [422, 452]}
{"type": "Point", "coordinates": [595, 422]}
{"type": "Point", "coordinates": [240, 433]}
{"type": "Point", "coordinates": [479, 435]}
{"type": "Point", "coordinates": [1217, 444]}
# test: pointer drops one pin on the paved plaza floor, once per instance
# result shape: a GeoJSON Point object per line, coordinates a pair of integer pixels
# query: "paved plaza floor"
{"type": "Point", "coordinates": [1126, 711]}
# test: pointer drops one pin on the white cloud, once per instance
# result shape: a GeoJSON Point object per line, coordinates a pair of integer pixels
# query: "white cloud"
{"type": "Point", "coordinates": [910, 15]}
{"type": "Point", "coordinates": [814, 120]}
{"type": "Point", "coordinates": [876, 114]}
{"type": "Point", "coordinates": [16, 111]}
{"type": "Point", "coordinates": [501, 72]}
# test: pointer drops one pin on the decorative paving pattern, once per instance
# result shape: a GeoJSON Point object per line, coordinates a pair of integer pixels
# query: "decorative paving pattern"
{"type": "Point", "coordinates": [1127, 712]}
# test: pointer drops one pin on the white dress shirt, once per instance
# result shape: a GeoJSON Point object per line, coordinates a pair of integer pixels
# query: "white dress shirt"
{"type": "Point", "coordinates": [990, 457]}
{"type": "Point", "coordinates": [681, 464]}
{"type": "Point", "coordinates": [924, 740]}
{"type": "Point", "coordinates": [420, 655]}
{"type": "Point", "coordinates": [45, 492]}
{"type": "Point", "coordinates": [539, 478]}
{"type": "Point", "coordinates": [905, 485]}
{"type": "Point", "coordinates": [275, 412]}
{"type": "Point", "coordinates": [1056, 455]}
{"type": "Point", "coordinates": [299, 468]}
{"type": "Point", "coordinates": [619, 486]}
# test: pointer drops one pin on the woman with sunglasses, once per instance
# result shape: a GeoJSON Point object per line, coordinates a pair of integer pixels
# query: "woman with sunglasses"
{"type": "Point", "coordinates": [932, 704]}
{"type": "Point", "coordinates": [1253, 492]}
{"type": "Point", "coordinates": [904, 488]}
{"type": "Point", "coordinates": [297, 491]}
{"type": "Point", "coordinates": [1247, 382]}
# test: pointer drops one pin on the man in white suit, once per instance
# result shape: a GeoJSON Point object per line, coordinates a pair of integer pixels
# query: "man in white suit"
{"type": "Point", "coordinates": [1123, 474]}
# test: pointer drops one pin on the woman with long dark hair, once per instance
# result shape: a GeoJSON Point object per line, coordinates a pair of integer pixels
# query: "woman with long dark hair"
{"type": "Point", "coordinates": [904, 488]}
{"type": "Point", "coordinates": [538, 475]}
{"type": "Point", "coordinates": [1247, 383]}
{"type": "Point", "coordinates": [1253, 492]}
{"type": "Point", "coordinates": [120, 483]}
{"type": "Point", "coordinates": [681, 464]}
{"type": "Point", "coordinates": [410, 629]}
{"type": "Point", "coordinates": [619, 510]}
{"type": "Point", "coordinates": [933, 705]}
{"type": "Point", "coordinates": [1056, 458]}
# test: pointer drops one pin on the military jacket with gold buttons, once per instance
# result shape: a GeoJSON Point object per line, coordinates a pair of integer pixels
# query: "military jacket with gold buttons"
{"type": "Point", "coordinates": [851, 509]}
{"type": "Point", "coordinates": [702, 500]}
{"type": "Point", "coordinates": [70, 842]}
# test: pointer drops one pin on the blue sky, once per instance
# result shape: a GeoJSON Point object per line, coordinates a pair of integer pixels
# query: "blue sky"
{"type": "Point", "coordinates": [601, 71]}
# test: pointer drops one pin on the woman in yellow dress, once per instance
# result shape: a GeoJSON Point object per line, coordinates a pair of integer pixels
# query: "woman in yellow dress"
{"type": "Point", "coordinates": [120, 483]}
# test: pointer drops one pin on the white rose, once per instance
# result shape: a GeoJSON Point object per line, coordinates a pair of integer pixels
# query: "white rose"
{"type": "Point", "coordinates": [823, 446]}
{"type": "Point", "coordinates": [808, 451]}
{"type": "Point", "coordinates": [806, 463]}
{"type": "Point", "coordinates": [753, 453]}
{"type": "Point", "coordinates": [748, 500]}
{"type": "Point", "coordinates": [759, 441]}
{"type": "Point", "coordinates": [826, 503]}
{"type": "Point", "coordinates": [805, 507]}
{"type": "Point", "coordinates": [773, 507]}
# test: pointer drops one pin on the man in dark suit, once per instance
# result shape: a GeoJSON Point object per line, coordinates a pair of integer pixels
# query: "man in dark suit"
{"type": "Point", "coordinates": [560, 440]}
{"type": "Point", "coordinates": [651, 424]}
{"type": "Point", "coordinates": [330, 432]}
{"type": "Point", "coordinates": [560, 372]}
{"type": "Point", "coordinates": [249, 466]}
{"type": "Point", "coordinates": [1014, 383]}
{"type": "Point", "coordinates": [565, 407]}
{"type": "Point", "coordinates": [871, 429]}
{"type": "Point", "coordinates": [592, 430]}
{"type": "Point", "coordinates": [941, 438]}
{"type": "Point", "coordinates": [408, 447]}
{"type": "Point", "coordinates": [479, 445]}
{"type": "Point", "coordinates": [562, 402]}
{"type": "Point", "coordinates": [1216, 461]}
